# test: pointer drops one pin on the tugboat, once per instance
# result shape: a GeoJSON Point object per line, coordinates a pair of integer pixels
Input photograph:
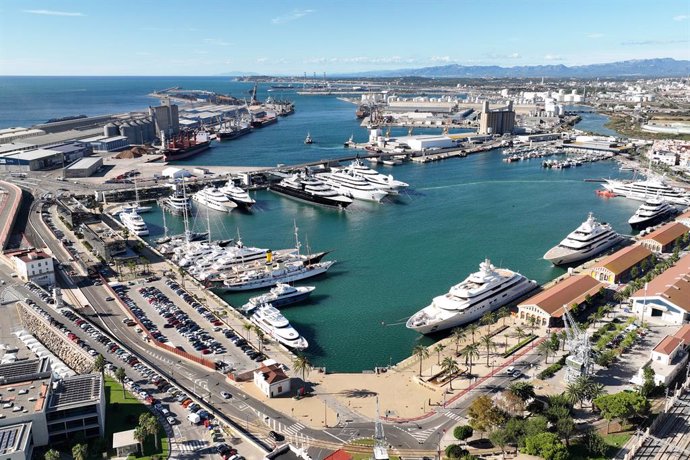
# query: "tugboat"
{"type": "Point", "coordinates": [308, 140]}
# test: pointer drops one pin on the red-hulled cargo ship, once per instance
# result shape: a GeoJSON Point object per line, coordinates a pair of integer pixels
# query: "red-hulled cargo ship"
{"type": "Point", "coordinates": [185, 145]}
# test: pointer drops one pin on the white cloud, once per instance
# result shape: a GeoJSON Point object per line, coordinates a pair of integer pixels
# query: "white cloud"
{"type": "Point", "coordinates": [595, 35]}
{"type": "Point", "coordinates": [359, 60]}
{"type": "Point", "coordinates": [217, 42]}
{"type": "Point", "coordinates": [553, 57]}
{"type": "Point", "coordinates": [514, 56]}
{"type": "Point", "coordinates": [441, 59]}
{"type": "Point", "coordinates": [261, 60]}
{"type": "Point", "coordinates": [54, 13]}
{"type": "Point", "coordinates": [680, 17]}
{"type": "Point", "coordinates": [294, 15]}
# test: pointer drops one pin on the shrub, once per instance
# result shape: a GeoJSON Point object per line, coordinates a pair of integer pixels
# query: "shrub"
{"type": "Point", "coordinates": [455, 451]}
{"type": "Point", "coordinates": [463, 432]}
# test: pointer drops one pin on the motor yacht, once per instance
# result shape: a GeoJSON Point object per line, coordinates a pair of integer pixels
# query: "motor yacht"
{"type": "Point", "coordinates": [381, 181]}
{"type": "Point", "coordinates": [237, 195]}
{"type": "Point", "coordinates": [643, 189]}
{"type": "Point", "coordinates": [134, 223]}
{"type": "Point", "coordinates": [282, 272]}
{"type": "Point", "coordinates": [178, 202]}
{"type": "Point", "coordinates": [484, 291]}
{"type": "Point", "coordinates": [274, 324]}
{"type": "Point", "coordinates": [651, 212]}
{"type": "Point", "coordinates": [348, 183]}
{"type": "Point", "coordinates": [586, 241]}
{"type": "Point", "coordinates": [306, 187]}
{"type": "Point", "coordinates": [214, 199]}
{"type": "Point", "coordinates": [280, 296]}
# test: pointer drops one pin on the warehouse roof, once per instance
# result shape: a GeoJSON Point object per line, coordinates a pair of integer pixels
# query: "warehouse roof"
{"type": "Point", "coordinates": [672, 285]}
{"type": "Point", "coordinates": [623, 260]}
{"type": "Point", "coordinates": [85, 162]}
{"type": "Point", "coordinates": [668, 233]}
{"type": "Point", "coordinates": [573, 289]}
{"type": "Point", "coordinates": [36, 154]}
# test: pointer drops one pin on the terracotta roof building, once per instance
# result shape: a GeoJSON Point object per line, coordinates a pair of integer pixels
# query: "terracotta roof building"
{"type": "Point", "coordinates": [666, 297]}
{"type": "Point", "coordinates": [664, 238]}
{"type": "Point", "coordinates": [684, 218]}
{"type": "Point", "coordinates": [271, 380]}
{"type": "Point", "coordinates": [668, 358]}
{"type": "Point", "coordinates": [618, 266]}
{"type": "Point", "coordinates": [547, 306]}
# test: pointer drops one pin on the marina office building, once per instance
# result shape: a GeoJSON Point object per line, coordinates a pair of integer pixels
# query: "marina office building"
{"type": "Point", "coordinates": [38, 409]}
{"type": "Point", "coordinates": [666, 297]}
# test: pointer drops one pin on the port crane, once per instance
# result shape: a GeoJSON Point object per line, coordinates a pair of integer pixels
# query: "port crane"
{"type": "Point", "coordinates": [579, 362]}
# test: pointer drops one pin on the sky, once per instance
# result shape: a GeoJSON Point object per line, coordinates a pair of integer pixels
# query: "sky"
{"type": "Point", "coordinates": [283, 37]}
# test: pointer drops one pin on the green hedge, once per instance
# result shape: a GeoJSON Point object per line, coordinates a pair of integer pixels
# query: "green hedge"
{"type": "Point", "coordinates": [552, 369]}
{"type": "Point", "coordinates": [519, 345]}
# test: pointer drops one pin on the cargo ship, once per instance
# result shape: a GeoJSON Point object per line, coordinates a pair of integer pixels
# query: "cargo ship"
{"type": "Point", "coordinates": [262, 118]}
{"type": "Point", "coordinates": [185, 145]}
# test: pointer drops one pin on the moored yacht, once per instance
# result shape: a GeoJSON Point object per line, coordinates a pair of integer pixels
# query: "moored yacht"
{"type": "Point", "coordinates": [381, 181]}
{"type": "Point", "coordinates": [279, 296]}
{"type": "Point", "coordinates": [134, 223]}
{"type": "Point", "coordinates": [651, 212]}
{"type": "Point", "coordinates": [586, 241]}
{"type": "Point", "coordinates": [305, 186]}
{"type": "Point", "coordinates": [351, 184]}
{"type": "Point", "coordinates": [273, 323]}
{"type": "Point", "coordinates": [214, 199]}
{"type": "Point", "coordinates": [178, 202]}
{"type": "Point", "coordinates": [238, 195]}
{"type": "Point", "coordinates": [286, 272]}
{"type": "Point", "coordinates": [486, 290]}
{"type": "Point", "coordinates": [641, 190]}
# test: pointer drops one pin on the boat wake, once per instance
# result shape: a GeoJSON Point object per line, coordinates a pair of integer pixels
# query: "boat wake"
{"type": "Point", "coordinates": [468, 184]}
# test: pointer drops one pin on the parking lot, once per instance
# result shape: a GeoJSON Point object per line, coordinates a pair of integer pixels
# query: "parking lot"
{"type": "Point", "coordinates": [176, 318]}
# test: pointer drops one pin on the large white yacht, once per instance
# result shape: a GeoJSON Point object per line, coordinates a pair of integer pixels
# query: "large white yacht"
{"type": "Point", "coordinates": [305, 186]}
{"type": "Point", "coordinates": [643, 189]}
{"type": "Point", "coordinates": [349, 183]}
{"type": "Point", "coordinates": [178, 202]}
{"type": "Point", "coordinates": [273, 323]}
{"type": "Point", "coordinates": [238, 195]}
{"type": "Point", "coordinates": [134, 223]}
{"type": "Point", "coordinates": [651, 212]}
{"type": "Point", "coordinates": [586, 241]}
{"type": "Point", "coordinates": [285, 272]}
{"type": "Point", "coordinates": [281, 295]}
{"type": "Point", "coordinates": [214, 199]}
{"type": "Point", "coordinates": [381, 181]}
{"type": "Point", "coordinates": [486, 290]}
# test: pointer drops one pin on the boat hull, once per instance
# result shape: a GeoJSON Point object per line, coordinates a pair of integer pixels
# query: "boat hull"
{"type": "Point", "coordinates": [186, 153]}
{"type": "Point", "coordinates": [642, 224]}
{"type": "Point", "coordinates": [272, 281]}
{"type": "Point", "coordinates": [300, 195]}
{"type": "Point", "coordinates": [561, 257]}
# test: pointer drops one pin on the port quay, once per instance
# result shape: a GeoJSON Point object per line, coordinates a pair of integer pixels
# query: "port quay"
{"type": "Point", "coordinates": [147, 296]}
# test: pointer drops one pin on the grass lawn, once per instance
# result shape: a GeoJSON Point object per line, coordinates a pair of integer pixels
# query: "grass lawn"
{"type": "Point", "coordinates": [615, 442]}
{"type": "Point", "coordinates": [122, 413]}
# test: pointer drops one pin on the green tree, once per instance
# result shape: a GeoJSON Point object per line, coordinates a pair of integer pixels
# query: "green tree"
{"type": "Point", "coordinates": [463, 432]}
{"type": "Point", "coordinates": [622, 406]}
{"type": "Point", "coordinates": [545, 349]}
{"type": "Point", "coordinates": [470, 353]}
{"type": "Point", "coordinates": [484, 415]}
{"type": "Point", "coordinates": [455, 451]}
{"type": "Point", "coordinates": [488, 319]}
{"type": "Point", "coordinates": [458, 335]}
{"type": "Point", "coordinates": [438, 348]}
{"type": "Point", "coordinates": [547, 446]}
{"type": "Point", "coordinates": [503, 313]}
{"type": "Point", "coordinates": [301, 364]}
{"type": "Point", "coordinates": [149, 423]}
{"type": "Point", "coordinates": [450, 368]}
{"type": "Point", "coordinates": [500, 438]}
{"type": "Point", "coordinates": [183, 274]}
{"type": "Point", "coordinates": [522, 390]}
{"type": "Point", "coordinates": [99, 364]}
{"type": "Point", "coordinates": [80, 451]}
{"type": "Point", "coordinates": [260, 337]}
{"type": "Point", "coordinates": [140, 436]}
{"type": "Point", "coordinates": [594, 442]}
{"type": "Point", "coordinates": [52, 454]}
{"type": "Point", "coordinates": [565, 427]}
{"type": "Point", "coordinates": [472, 329]}
{"type": "Point", "coordinates": [248, 328]}
{"type": "Point", "coordinates": [489, 346]}
{"type": "Point", "coordinates": [648, 385]}
{"type": "Point", "coordinates": [575, 392]}
{"type": "Point", "coordinates": [120, 375]}
{"type": "Point", "coordinates": [421, 352]}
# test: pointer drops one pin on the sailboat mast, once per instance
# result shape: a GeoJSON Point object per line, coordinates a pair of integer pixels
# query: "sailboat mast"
{"type": "Point", "coordinates": [297, 243]}
{"type": "Point", "coordinates": [165, 225]}
{"type": "Point", "coordinates": [185, 216]}
{"type": "Point", "coordinates": [208, 226]}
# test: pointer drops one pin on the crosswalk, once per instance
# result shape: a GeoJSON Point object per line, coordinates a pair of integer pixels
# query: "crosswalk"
{"type": "Point", "coordinates": [293, 429]}
{"type": "Point", "coordinates": [420, 435]}
{"type": "Point", "coordinates": [188, 446]}
{"type": "Point", "coordinates": [454, 416]}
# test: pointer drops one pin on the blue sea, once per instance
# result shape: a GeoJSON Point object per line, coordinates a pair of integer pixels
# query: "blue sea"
{"type": "Point", "coordinates": [392, 257]}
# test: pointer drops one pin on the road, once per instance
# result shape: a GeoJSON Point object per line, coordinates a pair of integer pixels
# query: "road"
{"type": "Point", "coordinates": [412, 439]}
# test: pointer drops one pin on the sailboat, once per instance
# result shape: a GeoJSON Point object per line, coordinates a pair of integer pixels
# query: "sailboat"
{"type": "Point", "coordinates": [138, 208]}
{"type": "Point", "coordinates": [165, 238]}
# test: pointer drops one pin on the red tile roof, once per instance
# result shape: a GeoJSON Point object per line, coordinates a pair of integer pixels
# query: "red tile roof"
{"type": "Point", "coordinates": [273, 373]}
{"type": "Point", "coordinates": [672, 285]}
{"type": "Point", "coordinates": [667, 234]}
{"type": "Point", "coordinates": [684, 334]}
{"type": "Point", "coordinates": [339, 454]}
{"type": "Point", "coordinates": [572, 290]}
{"type": "Point", "coordinates": [625, 259]}
{"type": "Point", "coordinates": [668, 344]}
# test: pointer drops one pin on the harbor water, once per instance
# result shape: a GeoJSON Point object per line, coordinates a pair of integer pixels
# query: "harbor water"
{"type": "Point", "coordinates": [393, 257]}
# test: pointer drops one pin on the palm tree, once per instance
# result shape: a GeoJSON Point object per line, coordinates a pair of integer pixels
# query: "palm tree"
{"type": "Point", "coordinates": [259, 336]}
{"type": "Point", "coordinates": [52, 454]}
{"type": "Point", "coordinates": [562, 336]}
{"type": "Point", "coordinates": [120, 375]}
{"type": "Point", "coordinates": [248, 329]}
{"type": "Point", "coordinates": [301, 364]}
{"type": "Point", "coordinates": [99, 364]}
{"type": "Point", "coordinates": [470, 353]}
{"type": "Point", "coordinates": [79, 451]}
{"type": "Point", "coordinates": [519, 333]}
{"type": "Point", "coordinates": [488, 345]}
{"type": "Point", "coordinates": [149, 423]}
{"type": "Point", "coordinates": [458, 335]}
{"type": "Point", "coordinates": [574, 392]}
{"type": "Point", "coordinates": [421, 352]}
{"type": "Point", "coordinates": [545, 348]}
{"type": "Point", "coordinates": [472, 328]}
{"type": "Point", "coordinates": [438, 348]}
{"type": "Point", "coordinates": [595, 390]}
{"type": "Point", "coordinates": [488, 319]}
{"type": "Point", "coordinates": [522, 390]}
{"type": "Point", "coordinates": [503, 313]}
{"type": "Point", "coordinates": [140, 436]}
{"type": "Point", "coordinates": [450, 367]}
{"type": "Point", "coordinates": [182, 273]}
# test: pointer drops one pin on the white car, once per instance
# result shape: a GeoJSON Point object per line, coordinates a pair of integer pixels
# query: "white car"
{"type": "Point", "coordinates": [172, 420]}
{"type": "Point", "coordinates": [225, 395]}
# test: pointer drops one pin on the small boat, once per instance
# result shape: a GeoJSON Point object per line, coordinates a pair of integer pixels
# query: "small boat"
{"type": "Point", "coordinates": [308, 139]}
{"type": "Point", "coordinates": [605, 193]}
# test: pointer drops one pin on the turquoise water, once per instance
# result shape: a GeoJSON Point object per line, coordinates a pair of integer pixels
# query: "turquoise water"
{"type": "Point", "coordinates": [393, 257]}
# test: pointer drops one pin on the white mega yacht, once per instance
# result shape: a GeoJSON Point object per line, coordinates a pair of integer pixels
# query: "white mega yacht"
{"type": "Point", "coordinates": [134, 223]}
{"type": "Point", "coordinates": [281, 295]}
{"type": "Point", "coordinates": [306, 187]}
{"type": "Point", "coordinates": [273, 323]}
{"type": "Point", "coordinates": [178, 202]}
{"type": "Point", "coordinates": [643, 189]}
{"type": "Point", "coordinates": [381, 181]}
{"type": "Point", "coordinates": [486, 290]}
{"type": "Point", "coordinates": [349, 183]}
{"type": "Point", "coordinates": [238, 195]}
{"type": "Point", "coordinates": [214, 199]}
{"type": "Point", "coordinates": [586, 241]}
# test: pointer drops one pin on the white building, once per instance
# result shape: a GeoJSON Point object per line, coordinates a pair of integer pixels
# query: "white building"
{"type": "Point", "coordinates": [668, 358]}
{"type": "Point", "coordinates": [666, 297]}
{"type": "Point", "coordinates": [271, 380]}
{"type": "Point", "coordinates": [175, 173]}
{"type": "Point", "coordinates": [36, 266]}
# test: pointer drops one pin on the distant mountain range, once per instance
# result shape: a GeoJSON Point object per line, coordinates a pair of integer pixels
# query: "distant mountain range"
{"type": "Point", "coordinates": [662, 67]}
